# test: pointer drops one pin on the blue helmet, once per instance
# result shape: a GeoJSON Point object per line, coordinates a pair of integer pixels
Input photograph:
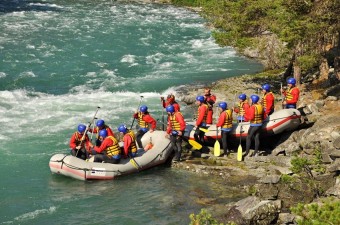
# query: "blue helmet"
{"type": "Point", "coordinates": [100, 123]}
{"type": "Point", "coordinates": [170, 109]}
{"type": "Point", "coordinates": [103, 133]}
{"type": "Point", "coordinates": [143, 108]}
{"type": "Point", "coordinates": [291, 81]}
{"type": "Point", "coordinates": [81, 128]}
{"type": "Point", "coordinates": [200, 98]}
{"type": "Point", "coordinates": [266, 87]}
{"type": "Point", "coordinates": [223, 105]}
{"type": "Point", "coordinates": [122, 128]}
{"type": "Point", "coordinates": [242, 97]}
{"type": "Point", "coordinates": [254, 98]}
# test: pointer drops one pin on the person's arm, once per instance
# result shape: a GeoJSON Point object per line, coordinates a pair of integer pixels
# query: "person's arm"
{"type": "Point", "coordinates": [127, 143]}
{"type": "Point", "coordinates": [73, 142]}
{"type": "Point", "coordinates": [269, 102]}
{"type": "Point", "coordinates": [201, 113]}
{"type": "Point", "coordinates": [109, 132]}
{"type": "Point", "coordinates": [107, 142]}
{"type": "Point", "coordinates": [221, 119]}
{"type": "Point", "coordinates": [147, 118]}
{"type": "Point", "coordinates": [135, 115]}
{"type": "Point", "coordinates": [250, 113]}
{"type": "Point", "coordinates": [169, 127]}
{"type": "Point", "coordinates": [176, 107]}
{"type": "Point", "coordinates": [212, 99]}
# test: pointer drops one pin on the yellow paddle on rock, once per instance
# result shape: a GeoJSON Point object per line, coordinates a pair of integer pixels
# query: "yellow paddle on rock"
{"type": "Point", "coordinates": [239, 150]}
{"type": "Point", "coordinates": [217, 147]}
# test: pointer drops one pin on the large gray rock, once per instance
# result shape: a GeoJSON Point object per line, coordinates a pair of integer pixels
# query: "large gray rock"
{"type": "Point", "coordinates": [335, 190]}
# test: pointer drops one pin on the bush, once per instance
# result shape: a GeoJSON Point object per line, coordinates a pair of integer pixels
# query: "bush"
{"type": "Point", "coordinates": [328, 212]}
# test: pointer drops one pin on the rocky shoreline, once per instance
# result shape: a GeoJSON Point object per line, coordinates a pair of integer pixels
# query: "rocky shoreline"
{"type": "Point", "coordinates": [272, 181]}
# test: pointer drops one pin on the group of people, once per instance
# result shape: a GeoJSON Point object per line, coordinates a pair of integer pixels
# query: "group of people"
{"type": "Point", "coordinates": [256, 110]}
{"type": "Point", "coordinates": [107, 148]}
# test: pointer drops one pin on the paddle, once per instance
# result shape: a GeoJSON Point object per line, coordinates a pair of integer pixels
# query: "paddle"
{"type": "Point", "coordinates": [195, 144]}
{"type": "Point", "coordinates": [217, 147]}
{"type": "Point", "coordinates": [140, 102]}
{"type": "Point", "coordinates": [87, 129]}
{"type": "Point", "coordinates": [282, 97]}
{"type": "Point", "coordinates": [239, 150]}
{"type": "Point", "coordinates": [93, 129]}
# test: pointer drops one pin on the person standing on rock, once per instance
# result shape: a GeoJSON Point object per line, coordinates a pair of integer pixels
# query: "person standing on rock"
{"type": "Point", "coordinates": [225, 121]}
{"type": "Point", "coordinates": [201, 121]}
{"type": "Point", "coordinates": [210, 100]}
{"type": "Point", "coordinates": [175, 129]}
{"type": "Point", "coordinates": [255, 115]}
{"type": "Point", "coordinates": [170, 100]}
{"type": "Point", "coordinates": [291, 94]}
{"type": "Point", "coordinates": [267, 100]}
{"type": "Point", "coordinates": [243, 105]}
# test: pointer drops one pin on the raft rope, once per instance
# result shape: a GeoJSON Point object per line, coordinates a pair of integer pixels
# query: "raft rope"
{"type": "Point", "coordinates": [79, 168]}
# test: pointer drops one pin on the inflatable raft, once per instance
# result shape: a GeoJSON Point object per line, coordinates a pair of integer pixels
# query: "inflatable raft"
{"type": "Point", "coordinates": [278, 122]}
{"type": "Point", "coordinates": [72, 166]}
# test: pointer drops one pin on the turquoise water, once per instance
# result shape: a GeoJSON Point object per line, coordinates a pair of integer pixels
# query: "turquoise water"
{"type": "Point", "coordinates": [59, 61]}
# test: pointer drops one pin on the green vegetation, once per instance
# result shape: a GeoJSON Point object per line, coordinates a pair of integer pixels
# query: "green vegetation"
{"type": "Point", "coordinates": [299, 165]}
{"type": "Point", "coordinates": [307, 29]}
{"type": "Point", "coordinates": [205, 218]}
{"type": "Point", "coordinates": [328, 212]}
{"type": "Point", "coordinates": [287, 179]}
{"type": "Point", "coordinates": [202, 218]}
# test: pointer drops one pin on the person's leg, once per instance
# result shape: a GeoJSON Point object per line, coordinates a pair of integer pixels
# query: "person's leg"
{"type": "Point", "coordinates": [139, 136]}
{"type": "Point", "coordinates": [249, 139]}
{"type": "Point", "coordinates": [178, 148]}
{"type": "Point", "coordinates": [225, 142]}
{"type": "Point", "coordinates": [257, 139]}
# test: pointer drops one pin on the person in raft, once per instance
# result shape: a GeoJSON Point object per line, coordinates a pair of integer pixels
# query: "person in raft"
{"type": "Point", "coordinates": [129, 139]}
{"type": "Point", "coordinates": [267, 100]}
{"type": "Point", "coordinates": [291, 94]}
{"type": "Point", "coordinates": [170, 100]}
{"type": "Point", "coordinates": [243, 105]}
{"type": "Point", "coordinates": [210, 100]}
{"type": "Point", "coordinates": [225, 121]}
{"type": "Point", "coordinates": [255, 115]}
{"type": "Point", "coordinates": [109, 150]}
{"type": "Point", "coordinates": [100, 125]}
{"type": "Point", "coordinates": [79, 142]}
{"type": "Point", "coordinates": [175, 129]}
{"type": "Point", "coordinates": [145, 122]}
{"type": "Point", "coordinates": [201, 121]}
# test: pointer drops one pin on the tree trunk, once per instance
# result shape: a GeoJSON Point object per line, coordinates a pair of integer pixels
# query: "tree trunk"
{"type": "Point", "coordinates": [297, 72]}
{"type": "Point", "coordinates": [324, 70]}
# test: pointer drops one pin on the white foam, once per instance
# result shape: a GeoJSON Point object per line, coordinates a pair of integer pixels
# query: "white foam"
{"type": "Point", "coordinates": [2, 74]}
{"type": "Point", "coordinates": [35, 214]}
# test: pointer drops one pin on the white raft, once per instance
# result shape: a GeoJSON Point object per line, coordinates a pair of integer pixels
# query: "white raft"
{"type": "Point", "coordinates": [278, 122]}
{"type": "Point", "coordinates": [72, 166]}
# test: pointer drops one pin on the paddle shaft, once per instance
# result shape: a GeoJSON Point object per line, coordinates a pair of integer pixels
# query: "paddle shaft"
{"type": "Point", "coordinates": [87, 129]}
{"type": "Point", "coordinates": [140, 102]}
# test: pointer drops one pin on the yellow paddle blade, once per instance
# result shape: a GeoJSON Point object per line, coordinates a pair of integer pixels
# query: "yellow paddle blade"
{"type": "Point", "coordinates": [195, 144]}
{"type": "Point", "coordinates": [204, 130]}
{"type": "Point", "coordinates": [133, 162]}
{"type": "Point", "coordinates": [217, 149]}
{"type": "Point", "coordinates": [239, 153]}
